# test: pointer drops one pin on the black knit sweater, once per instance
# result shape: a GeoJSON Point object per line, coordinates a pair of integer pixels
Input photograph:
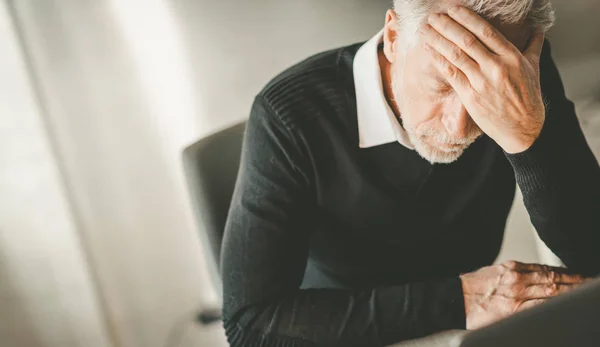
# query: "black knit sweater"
{"type": "Point", "coordinates": [328, 244]}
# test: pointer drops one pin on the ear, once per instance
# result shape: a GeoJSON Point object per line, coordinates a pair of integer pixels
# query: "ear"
{"type": "Point", "coordinates": [390, 35]}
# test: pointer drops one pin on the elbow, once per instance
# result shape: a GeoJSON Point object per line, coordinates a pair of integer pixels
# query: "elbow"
{"type": "Point", "coordinates": [253, 327]}
{"type": "Point", "coordinates": [240, 329]}
{"type": "Point", "coordinates": [236, 335]}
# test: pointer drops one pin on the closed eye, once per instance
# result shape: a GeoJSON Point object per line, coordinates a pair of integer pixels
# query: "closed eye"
{"type": "Point", "coordinates": [442, 88]}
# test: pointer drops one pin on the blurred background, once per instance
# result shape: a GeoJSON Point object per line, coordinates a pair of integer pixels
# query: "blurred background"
{"type": "Point", "coordinates": [99, 242]}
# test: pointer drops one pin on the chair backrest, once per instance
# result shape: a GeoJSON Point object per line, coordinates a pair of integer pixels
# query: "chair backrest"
{"type": "Point", "coordinates": [211, 167]}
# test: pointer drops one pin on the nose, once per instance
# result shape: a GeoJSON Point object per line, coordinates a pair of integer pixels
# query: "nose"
{"type": "Point", "coordinates": [456, 120]}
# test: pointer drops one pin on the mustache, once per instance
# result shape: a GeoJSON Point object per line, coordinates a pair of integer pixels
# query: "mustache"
{"type": "Point", "coordinates": [473, 135]}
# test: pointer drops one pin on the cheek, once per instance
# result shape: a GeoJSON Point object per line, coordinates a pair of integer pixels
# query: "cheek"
{"type": "Point", "coordinates": [424, 112]}
{"type": "Point", "coordinates": [417, 106]}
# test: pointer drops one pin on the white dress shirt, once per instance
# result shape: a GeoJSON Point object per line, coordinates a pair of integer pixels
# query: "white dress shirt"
{"type": "Point", "coordinates": [377, 123]}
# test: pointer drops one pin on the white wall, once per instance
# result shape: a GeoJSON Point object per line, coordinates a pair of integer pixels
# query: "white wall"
{"type": "Point", "coordinates": [47, 294]}
{"type": "Point", "coordinates": [112, 79]}
{"type": "Point", "coordinates": [237, 46]}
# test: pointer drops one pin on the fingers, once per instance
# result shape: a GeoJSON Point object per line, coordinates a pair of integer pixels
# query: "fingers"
{"type": "Point", "coordinates": [550, 277]}
{"type": "Point", "coordinates": [542, 274]}
{"type": "Point", "coordinates": [534, 49]}
{"type": "Point", "coordinates": [453, 54]}
{"type": "Point", "coordinates": [525, 267]}
{"type": "Point", "coordinates": [454, 75]}
{"type": "Point", "coordinates": [529, 304]}
{"type": "Point", "coordinates": [460, 36]}
{"type": "Point", "coordinates": [518, 266]}
{"type": "Point", "coordinates": [543, 291]}
{"type": "Point", "coordinates": [483, 30]}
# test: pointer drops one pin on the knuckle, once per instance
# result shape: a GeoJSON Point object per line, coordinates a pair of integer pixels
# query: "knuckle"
{"type": "Point", "coordinates": [510, 264]}
{"type": "Point", "coordinates": [552, 289]}
{"type": "Point", "coordinates": [437, 59]}
{"type": "Point", "coordinates": [441, 62]}
{"type": "Point", "coordinates": [500, 267]}
{"type": "Point", "coordinates": [509, 277]}
{"type": "Point", "coordinates": [456, 54]}
{"type": "Point", "coordinates": [552, 277]}
{"type": "Point", "coordinates": [450, 70]}
{"type": "Point", "coordinates": [489, 32]}
{"type": "Point", "coordinates": [468, 41]}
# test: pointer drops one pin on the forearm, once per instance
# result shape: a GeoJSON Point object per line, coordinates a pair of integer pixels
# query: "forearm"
{"type": "Point", "coordinates": [560, 180]}
{"type": "Point", "coordinates": [324, 317]}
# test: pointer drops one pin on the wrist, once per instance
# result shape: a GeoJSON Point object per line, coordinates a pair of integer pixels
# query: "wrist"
{"type": "Point", "coordinates": [532, 166]}
{"type": "Point", "coordinates": [522, 142]}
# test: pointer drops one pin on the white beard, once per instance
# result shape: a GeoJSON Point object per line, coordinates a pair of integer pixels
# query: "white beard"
{"type": "Point", "coordinates": [433, 154]}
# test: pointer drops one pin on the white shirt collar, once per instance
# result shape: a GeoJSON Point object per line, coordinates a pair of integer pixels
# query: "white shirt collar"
{"type": "Point", "coordinates": [377, 123]}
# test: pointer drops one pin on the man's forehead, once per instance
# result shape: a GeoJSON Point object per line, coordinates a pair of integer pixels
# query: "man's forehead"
{"type": "Point", "coordinates": [518, 34]}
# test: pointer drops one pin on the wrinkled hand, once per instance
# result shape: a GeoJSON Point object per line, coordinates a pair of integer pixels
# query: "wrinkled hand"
{"type": "Point", "coordinates": [495, 292]}
{"type": "Point", "coordinates": [498, 85]}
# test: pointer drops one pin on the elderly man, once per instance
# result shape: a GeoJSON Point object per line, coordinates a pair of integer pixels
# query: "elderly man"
{"type": "Point", "coordinates": [376, 180]}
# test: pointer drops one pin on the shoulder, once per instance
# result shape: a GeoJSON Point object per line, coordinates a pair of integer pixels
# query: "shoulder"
{"type": "Point", "coordinates": [312, 87]}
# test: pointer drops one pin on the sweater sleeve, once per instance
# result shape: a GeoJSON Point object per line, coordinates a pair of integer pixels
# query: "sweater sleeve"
{"type": "Point", "coordinates": [560, 179]}
{"type": "Point", "coordinates": [264, 256]}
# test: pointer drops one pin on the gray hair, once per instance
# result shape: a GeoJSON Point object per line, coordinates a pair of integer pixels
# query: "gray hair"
{"type": "Point", "coordinates": [539, 14]}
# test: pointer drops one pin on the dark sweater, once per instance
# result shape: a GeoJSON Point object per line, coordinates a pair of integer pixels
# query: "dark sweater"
{"type": "Point", "coordinates": [328, 244]}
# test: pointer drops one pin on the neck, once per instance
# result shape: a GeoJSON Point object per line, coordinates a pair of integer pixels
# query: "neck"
{"type": "Point", "coordinates": [386, 79]}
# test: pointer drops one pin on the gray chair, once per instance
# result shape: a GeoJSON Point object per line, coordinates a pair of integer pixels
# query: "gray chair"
{"type": "Point", "coordinates": [211, 167]}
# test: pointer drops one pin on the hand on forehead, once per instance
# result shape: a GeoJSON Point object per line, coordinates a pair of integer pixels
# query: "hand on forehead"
{"type": "Point", "coordinates": [496, 79]}
{"type": "Point", "coordinates": [517, 33]}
